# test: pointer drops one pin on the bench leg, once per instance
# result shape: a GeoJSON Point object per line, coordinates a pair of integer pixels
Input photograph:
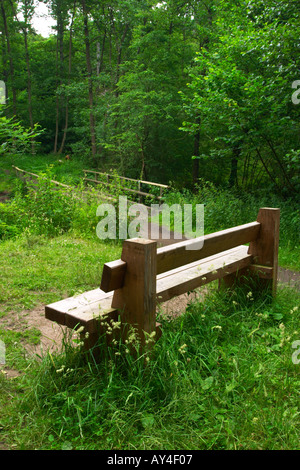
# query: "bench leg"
{"type": "Point", "coordinates": [230, 280]}
{"type": "Point", "coordinates": [265, 248]}
{"type": "Point", "coordinates": [92, 339]}
{"type": "Point", "coordinates": [265, 255]}
{"type": "Point", "coordinates": [136, 300]}
{"type": "Point", "coordinates": [89, 341]}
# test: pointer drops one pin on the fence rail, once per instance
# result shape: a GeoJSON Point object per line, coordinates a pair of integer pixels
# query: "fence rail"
{"type": "Point", "coordinates": [111, 181]}
{"type": "Point", "coordinates": [77, 193]}
{"type": "Point", "coordinates": [34, 175]}
{"type": "Point", "coordinates": [108, 183]}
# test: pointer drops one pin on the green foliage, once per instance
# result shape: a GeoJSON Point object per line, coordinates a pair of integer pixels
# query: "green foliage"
{"type": "Point", "coordinates": [144, 70]}
{"type": "Point", "coordinates": [39, 208]}
{"type": "Point", "coordinates": [242, 87]}
{"type": "Point", "coordinates": [221, 375]}
{"type": "Point", "coordinates": [224, 208]}
{"type": "Point", "coordinates": [14, 138]}
{"type": "Point", "coordinates": [43, 208]}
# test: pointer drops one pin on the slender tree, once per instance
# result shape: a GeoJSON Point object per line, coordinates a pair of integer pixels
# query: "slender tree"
{"type": "Point", "coordinates": [4, 8]}
{"type": "Point", "coordinates": [65, 130]}
{"type": "Point", "coordinates": [90, 79]}
{"type": "Point", "coordinates": [26, 7]}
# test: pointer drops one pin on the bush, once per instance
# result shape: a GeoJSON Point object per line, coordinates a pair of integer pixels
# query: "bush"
{"type": "Point", "coordinates": [225, 208]}
{"type": "Point", "coordinates": [40, 207]}
{"type": "Point", "coordinates": [14, 138]}
{"type": "Point", "coordinates": [8, 227]}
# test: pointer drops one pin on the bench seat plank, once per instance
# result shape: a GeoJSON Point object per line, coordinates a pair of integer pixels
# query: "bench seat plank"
{"type": "Point", "coordinates": [194, 275]}
{"type": "Point", "coordinates": [82, 308]}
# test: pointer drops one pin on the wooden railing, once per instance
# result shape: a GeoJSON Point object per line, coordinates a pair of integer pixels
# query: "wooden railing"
{"type": "Point", "coordinates": [113, 181]}
{"type": "Point", "coordinates": [33, 176]}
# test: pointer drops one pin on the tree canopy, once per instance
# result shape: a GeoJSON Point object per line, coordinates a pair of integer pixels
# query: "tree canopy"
{"type": "Point", "coordinates": [168, 91]}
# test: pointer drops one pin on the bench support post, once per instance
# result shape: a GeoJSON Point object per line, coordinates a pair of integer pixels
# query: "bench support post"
{"type": "Point", "coordinates": [136, 300]}
{"type": "Point", "coordinates": [265, 248]}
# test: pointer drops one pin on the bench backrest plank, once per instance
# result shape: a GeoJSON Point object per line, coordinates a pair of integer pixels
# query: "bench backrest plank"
{"type": "Point", "coordinates": [182, 253]}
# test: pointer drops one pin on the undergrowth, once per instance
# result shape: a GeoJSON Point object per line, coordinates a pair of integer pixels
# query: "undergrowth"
{"type": "Point", "coordinates": [220, 377]}
{"type": "Point", "coordinates": [41, 208]}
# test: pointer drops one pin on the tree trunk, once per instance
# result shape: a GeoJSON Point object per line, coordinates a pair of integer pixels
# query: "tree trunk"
{"type": "Point", "coordinates": [59, 69]}
{"type": "Point", "coordinates": [25, 33]}
{"type": "Point", "coordinates": [56, 105]}
{"type": "Point", "coordinates": [90, 83]}
{"type": "Point", "coordinates": [29, 88]}
{"type": "Point", "coordinates": [5, 72]}
{"type": "Point", "coordinates": [234, 167]}
{"type": "Point", "coordinates": [204, 43]}
{"type": "Point", "coordinates": [69, 73]}
{"type": "Point", "coordinates": [196, 154]}
{"type": "Point", "coordinates": [119, 56]}
{"type": "Point", "coordinates": [11, 65]}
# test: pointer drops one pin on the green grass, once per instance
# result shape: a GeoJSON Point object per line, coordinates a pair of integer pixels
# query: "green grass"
{"type": "Point", "coordinates": [220, 377]}
{"type": "Point", "coordinates": [39, 270]}
{"type": "Point", "coordinates": [66, 171]}
{"type": "Point", "coordinates": [289, 258]}
{"type": "Point", "coordinates": [69, 172]}
{"type": "Point", "coordinates": [224, 208]}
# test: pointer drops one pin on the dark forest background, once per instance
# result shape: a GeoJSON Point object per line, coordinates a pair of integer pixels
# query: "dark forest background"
{"type": "Point", "coordinates": [170, 91]}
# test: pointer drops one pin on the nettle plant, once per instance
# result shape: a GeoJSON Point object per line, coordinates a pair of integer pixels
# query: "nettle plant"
{"type": "Point", "coordinates": [14, 138]}
{"type": "Point", "coordinates": [42, 208]}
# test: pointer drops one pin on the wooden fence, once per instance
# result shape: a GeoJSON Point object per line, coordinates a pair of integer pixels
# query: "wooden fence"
{"type": "Point", "coordinates": [111, 181]}
{"type": "Point", "coordinates": [119, 183]}
{"type": "Point", "coordinates": [23, 174]}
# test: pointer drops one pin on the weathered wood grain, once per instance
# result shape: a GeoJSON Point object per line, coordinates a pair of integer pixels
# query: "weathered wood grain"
{"type": "Point", "coordinates": [182, 253]}
{"type": "Point", "coordinates": [136, 300]}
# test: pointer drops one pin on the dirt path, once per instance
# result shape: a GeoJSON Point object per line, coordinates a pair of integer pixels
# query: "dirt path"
{"type": "Point", "coordinates": [291, 278]}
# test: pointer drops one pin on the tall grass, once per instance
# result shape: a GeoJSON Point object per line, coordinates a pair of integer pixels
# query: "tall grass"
{"type": "Point", "coordinates": [225, 208]}
{"type": "Point", "coordinates": [220, 377]}
{"type": "Point", "coordinates": [41, 210]}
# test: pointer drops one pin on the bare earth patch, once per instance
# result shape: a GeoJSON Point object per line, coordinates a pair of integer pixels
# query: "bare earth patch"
{"type": "Point", "coordinates": [51, 333]}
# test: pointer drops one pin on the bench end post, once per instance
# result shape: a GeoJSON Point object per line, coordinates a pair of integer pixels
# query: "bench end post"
{"type": "Point", "coordinates": [136, 299]}
{"type": "Point", "coordinates": [265, 248]}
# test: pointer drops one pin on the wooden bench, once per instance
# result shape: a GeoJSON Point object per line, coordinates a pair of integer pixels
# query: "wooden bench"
{"type": "Point", "coordinates": [145, 276]}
